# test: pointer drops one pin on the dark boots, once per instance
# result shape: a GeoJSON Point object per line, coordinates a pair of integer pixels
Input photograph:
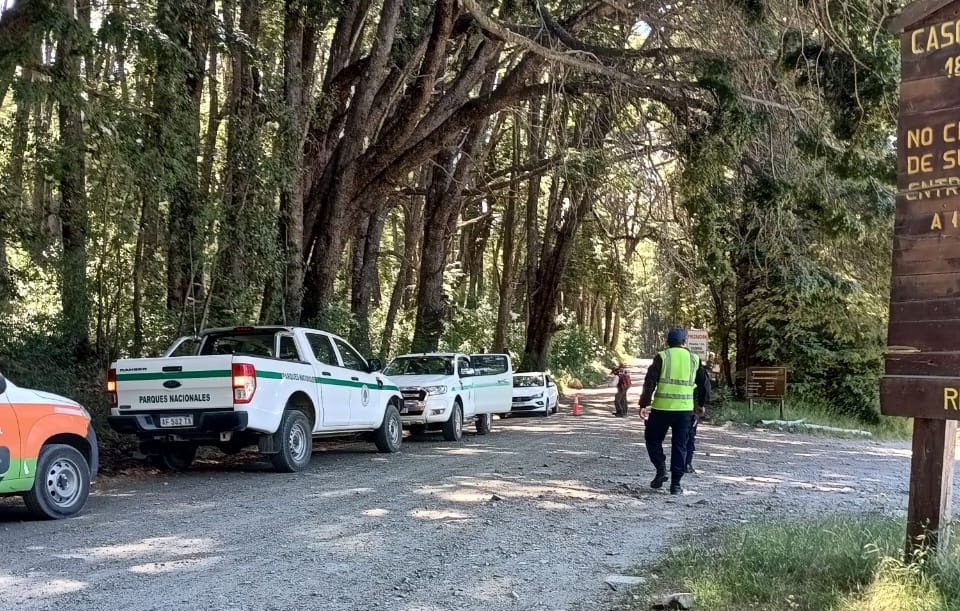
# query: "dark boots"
{"type": "Point", "coordinates": [659, 478]}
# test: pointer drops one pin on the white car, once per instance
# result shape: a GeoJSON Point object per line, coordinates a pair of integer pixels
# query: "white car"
{"type": "Point", "coordinates": [534, 391]}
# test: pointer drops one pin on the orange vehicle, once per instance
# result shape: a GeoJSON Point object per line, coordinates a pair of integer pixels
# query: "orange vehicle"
{"type": "Point", "coordinates": [48, 450]}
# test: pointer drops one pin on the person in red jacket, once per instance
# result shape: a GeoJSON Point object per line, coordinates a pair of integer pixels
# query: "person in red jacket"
{"type": "Point", "coordinates": [624, 382]}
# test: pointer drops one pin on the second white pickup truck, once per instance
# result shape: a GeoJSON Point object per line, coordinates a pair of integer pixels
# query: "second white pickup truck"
{"type": "Point", "coordinates": [274, 387]}
{"type": "Point", "coordinates": [445, 389]}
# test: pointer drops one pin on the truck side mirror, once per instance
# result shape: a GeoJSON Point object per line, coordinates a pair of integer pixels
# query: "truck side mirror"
{"type": "Point", "coordinates": [374, 365]}
{"type": "Point", "coordinates": [466, 372]}
{"type": "Point", "coordinates": [3, 387]}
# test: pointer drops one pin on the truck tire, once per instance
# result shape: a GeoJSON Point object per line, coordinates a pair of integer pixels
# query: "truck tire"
{"type": "Point", "coordinates": [61, 484]}
{"type": "Point", "coordinates": [295, 440]}
{"type": "Point", "coordinates": [174, 456]}
{"type": "Point", "coordinates": [389, 436]}
{"type": "Point", "coordinates": [453, 427]}
{"type": "Point", "coordinates": [484, 422]}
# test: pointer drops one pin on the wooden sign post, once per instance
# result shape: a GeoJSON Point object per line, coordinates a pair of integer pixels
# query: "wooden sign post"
{"type": "Point", "coordinates": [767, 383]}
{"type": "Point", "coordinates": [923, 355]}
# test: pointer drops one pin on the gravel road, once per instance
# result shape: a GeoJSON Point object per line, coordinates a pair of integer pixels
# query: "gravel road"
{"type": "Point", "coordinates": [533, 516]}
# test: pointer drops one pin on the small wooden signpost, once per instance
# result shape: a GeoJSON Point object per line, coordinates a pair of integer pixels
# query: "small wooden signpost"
{"type": "Point", "coordinates": [767, 383]}
{"type": "Point", "coordinates": [923, 354]}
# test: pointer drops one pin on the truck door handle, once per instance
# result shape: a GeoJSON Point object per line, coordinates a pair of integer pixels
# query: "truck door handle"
{"type": "Point", "coordinates": [325, 373]}
{"type": "Point", "coordinates": [173, 368]}
{"type": "Point", "coordinates": [355, 378]}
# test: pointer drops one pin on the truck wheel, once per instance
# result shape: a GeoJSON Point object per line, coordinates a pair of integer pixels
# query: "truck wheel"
{"type": "Point", "coordinates": [296, 443]}
{"type": "Point", "coordinates": [484, 422]}
{"type": "Point", "coordinates": [61, 484]}
{"type": "Point", "coordinates": [390, 434]}
{"type": "Point", "coordinates": [175, 456]}
{"type": "Point", "coordinates": [453, 427]}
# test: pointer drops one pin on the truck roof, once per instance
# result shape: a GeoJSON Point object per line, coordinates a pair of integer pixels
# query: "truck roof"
{"type": "Point", "coordinates": [242, 329]}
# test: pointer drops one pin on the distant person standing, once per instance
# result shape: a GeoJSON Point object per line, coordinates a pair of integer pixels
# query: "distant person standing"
{"type": "Point", "coordinates": [680, 384]}
{"type": "Point", "coordinates": [624, 382]}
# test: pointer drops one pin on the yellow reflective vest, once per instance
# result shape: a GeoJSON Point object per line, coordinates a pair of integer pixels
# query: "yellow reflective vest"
{"type": "Point", "coordinates": [677, 382]}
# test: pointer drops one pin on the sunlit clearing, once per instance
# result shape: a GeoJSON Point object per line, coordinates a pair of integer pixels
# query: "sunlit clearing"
{"type": "Point", "coordinates": [475, 490]}
{"type": "Point", "coordinates": [36, 588]}
{"type": "Point", "coordinates": [186, 564]}
{"type": "Point", "coordinates": [463, 451]}
{"type": "Point", "coordinates": [740, 450]}
{"type": "Point", "coordinates": [335, 494]}
{"type": "Point", "coordinates": [172, 546]}
{"type": "Point", "coordinates": [432, 514]}
{"type": "Point", "coordinates": [376, 512]}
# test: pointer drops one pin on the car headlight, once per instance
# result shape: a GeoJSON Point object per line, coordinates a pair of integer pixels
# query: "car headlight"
{"type": "Point", "coordinates": [436, 390]}
{"type": "Point", "coordinates": [539, 395]}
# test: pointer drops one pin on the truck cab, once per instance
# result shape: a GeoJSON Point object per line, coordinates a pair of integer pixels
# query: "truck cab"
{"type": "Point", "coordinates": [443, 390]}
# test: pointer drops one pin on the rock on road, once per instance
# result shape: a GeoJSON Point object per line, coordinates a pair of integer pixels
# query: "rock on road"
{"type": "Point", "coordinates": [532, 516]}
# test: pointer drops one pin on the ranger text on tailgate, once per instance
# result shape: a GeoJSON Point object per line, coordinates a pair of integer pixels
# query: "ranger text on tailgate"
{"type": "Point", "coordinates": [273, 387]}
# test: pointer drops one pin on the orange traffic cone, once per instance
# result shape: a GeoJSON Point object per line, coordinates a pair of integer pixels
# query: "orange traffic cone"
{"type": "Point", "coordinates": [576, 405]}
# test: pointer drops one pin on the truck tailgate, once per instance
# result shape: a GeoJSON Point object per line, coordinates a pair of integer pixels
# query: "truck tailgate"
{"type": "Point", "coordinates": [178, 383]}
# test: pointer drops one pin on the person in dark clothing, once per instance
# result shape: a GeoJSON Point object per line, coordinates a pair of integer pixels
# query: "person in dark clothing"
{"type": "Point", "coordinates": [623, 385]}
{"type": "Point", "coordinates": [681, 385]}
{"type": "Point", "coordinates": [698, 411]}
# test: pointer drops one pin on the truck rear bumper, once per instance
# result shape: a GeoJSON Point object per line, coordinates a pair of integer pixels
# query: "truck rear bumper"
{"type": "Point", "coordinates": [204, 423]}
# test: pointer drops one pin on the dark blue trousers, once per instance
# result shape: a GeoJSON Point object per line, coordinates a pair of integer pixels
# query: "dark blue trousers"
{"type": "Point", "coordinates": [692, 439]}
{"type": "Point", "coordinates": [678, 423]}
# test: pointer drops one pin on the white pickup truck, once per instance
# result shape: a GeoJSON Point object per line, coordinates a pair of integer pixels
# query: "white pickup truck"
{"type": "Point", "coordinates": [275, 387]}
{"type": "Point", "coordinates": [445, 389]}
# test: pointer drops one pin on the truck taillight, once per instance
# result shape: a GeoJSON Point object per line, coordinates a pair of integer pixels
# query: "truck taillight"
{"type": "Point", "coordinates": [244, 382]}
{"type": "Point", "coordinates": [112, 386]}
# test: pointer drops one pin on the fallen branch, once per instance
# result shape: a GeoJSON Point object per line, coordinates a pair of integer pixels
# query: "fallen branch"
{"type": "Point", "coordinates": [819, 427]}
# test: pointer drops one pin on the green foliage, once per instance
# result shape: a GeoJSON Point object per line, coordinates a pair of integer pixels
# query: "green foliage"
{"type": "Point", "coordinates": [35, 353]}
{"type": "Point", "coordinates": [839, 563]}
{"type": "Point", "coordinates": [334, 318]}
{"type": "Point", "coordinates": [470, 329]}
{"type": "Point", "coordinates": [577, 353]}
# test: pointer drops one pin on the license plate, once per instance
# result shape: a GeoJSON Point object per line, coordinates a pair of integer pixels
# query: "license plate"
{"type": "Point", "coordinates": [168, 421]}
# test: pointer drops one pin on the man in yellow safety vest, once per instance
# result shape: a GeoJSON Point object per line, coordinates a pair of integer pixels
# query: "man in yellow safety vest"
{"type": "Point", "coordinates": [681, 386]}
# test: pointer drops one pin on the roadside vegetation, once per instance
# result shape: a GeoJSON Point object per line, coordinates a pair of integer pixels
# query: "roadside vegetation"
{"type": "Point", "coordinates": [826, 564]}
{"type": "Point", "coordinates": [811, 411]}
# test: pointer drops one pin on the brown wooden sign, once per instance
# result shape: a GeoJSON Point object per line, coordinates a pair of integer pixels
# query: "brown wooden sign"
{"type": "Point", "coordinates": [766, 382]}
{"type": "Point", "coordinates": [924, 330]}
{"type": "Point", "coordinates": [923, 353]}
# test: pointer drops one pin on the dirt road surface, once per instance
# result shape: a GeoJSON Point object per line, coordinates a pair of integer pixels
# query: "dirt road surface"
{"type": "Point", "coordinates": [533, 516]}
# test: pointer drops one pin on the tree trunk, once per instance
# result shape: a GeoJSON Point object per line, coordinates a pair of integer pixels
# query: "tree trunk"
{"type": "Point", "coordinates": [608, 323]}
{"type": "Point", "coordinates": [412, 233]}
{"type": "Point", "coordinates": [441, 210]}
{"type": "Point", "coordinates": [73, 199]}
{"type": "Point", "coordinates": [235, 300]}
{"type": "Point", "coordinates": [501, 333]}
{"type": "Point", "coordinates": [364, 279]}
{"type": "Point", "coordinates": [293, 133]}
{"type": "Point", "coordinates": [746, 344]}
{"type": "Point", "coordinates": [11, 200]}
{"type": "Point", "coordinates": [178, 87]}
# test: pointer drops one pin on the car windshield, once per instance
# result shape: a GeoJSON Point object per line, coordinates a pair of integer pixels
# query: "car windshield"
{"type": "Point", "coordinates": [420, 366]}
{"type": "Point", "coordinates": [526, 381]}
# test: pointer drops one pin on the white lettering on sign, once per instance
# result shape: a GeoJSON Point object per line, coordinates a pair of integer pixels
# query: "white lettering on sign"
{"type": "Point", "coordinates": [184, 398]}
